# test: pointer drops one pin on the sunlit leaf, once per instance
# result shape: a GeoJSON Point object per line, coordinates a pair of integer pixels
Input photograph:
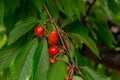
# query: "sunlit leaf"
{"type": "Point", "coordinates": [23, 61]}
{"type": "Point", "coordinates": [41, 62]}
{"type": "Point", "coordinates": [57, 71]}
{"type": "Point", "coordinates": [89, 74]}
{"type": "Point", "coordinates": [7, 55]}
{"type": "Point", "coordinates": [76, 78]}
{"type": "Point", "coordinates": [3, 40]}
{"type": "Point", "coordinates": [22, 27]}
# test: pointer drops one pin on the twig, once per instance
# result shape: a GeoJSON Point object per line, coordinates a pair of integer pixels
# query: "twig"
{"type": "Point", "coordinates": [88, 11]}
{"type": "Point", "coordinates": [56, 27]}
{"type": "Point", "coordinates": [90, 7]}
{"type": "Point", "coordinates": [76, 67]}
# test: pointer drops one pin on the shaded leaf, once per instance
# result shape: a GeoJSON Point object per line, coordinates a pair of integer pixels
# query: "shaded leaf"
{"type": "Point", "coordinates": [89, 74]}
{"type": "Point", "coordinates": [39, 4]}
{"type": "Point", "coordinates": [53, 9]}
{"type": "Point", "coordinates": [80, 32]}
{"type": "Point", "coordinates": [113, 6]}
{"type": "Point", "coordinates": [57, 71]}
{"type": "Point", "coordinates": [68, 7]}
{"type": "Point", "coordinates": [3, 40]}
{"type": "Point", "coordinates": [23, 61]}
{"type": "Point", "coordinates": [60, 6]}
{"type": "Point", "coordinates": [88, 41]}
{"type": "Point", "coordinates": [10, 8]}
{"type": "Point", "coordinates": [105, 35]}
{"type": "Point", "coordinates": [22, 27]}
{"type": "Point", "coordinates": [81, 5]}
{"type": "Point", "coordinates": [68, 21]}
{"type": "Point", "coordinates": [7, 54]}
{"type": "Point", "coordinates": [2, 11]}
{"type": "Point", "coordinates": [71, 48]}
{"type": "Point", "coordinates": [76, 78]}
{"type": "Point", "coordinates": [79, 8]}
{"type": "Point", "coordinates": [41, 62]}
{"type": "Point", "coordinates": [79, 59]}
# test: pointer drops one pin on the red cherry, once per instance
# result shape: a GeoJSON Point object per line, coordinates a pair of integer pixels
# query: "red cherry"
{"type": "Point", "coordinates": [68, 68]}
{"type": "Point", "coordinates": [67, 78]}
{"type": "Point", "coordinates": [39, 30]}
{"type": "Point", "coordinates": [54, 32]}
{"type": "Point", "coordinates": [53, 38]}
{"type": "Point", "coordinates": [52, 60]}
{"type": "Point", "coordinates": [53, 50]}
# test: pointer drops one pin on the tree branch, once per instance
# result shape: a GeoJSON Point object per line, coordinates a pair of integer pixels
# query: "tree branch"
{"type": "Point", "coordinates": [56, 27]}
{"type": "Point", "coordinates": [90, 7]}
{"type": "Point", "coordinates": [88, 11]}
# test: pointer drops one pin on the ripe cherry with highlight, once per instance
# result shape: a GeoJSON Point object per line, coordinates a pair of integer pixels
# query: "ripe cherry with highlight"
{"type": "Point", "coordinates": [53, 50]}
{"type": "Point", "coordinates": [39, 31]}
{"type": "Point", "coordinates": [54, 32]}
{"type": "Point", "coordinates": [53, 37]}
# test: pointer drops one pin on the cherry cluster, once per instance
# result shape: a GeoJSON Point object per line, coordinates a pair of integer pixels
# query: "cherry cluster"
{"type": "Point", "coordinates": [53, 49]}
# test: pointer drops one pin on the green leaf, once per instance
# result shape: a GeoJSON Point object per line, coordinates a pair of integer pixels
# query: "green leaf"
{"type": "Point", "coordinates": [7, 54]}
{"type": "Point", "coordinates": [105, 35]}
{"type": "Point", "coordinates": [2, 11]}
{"type": "Point", "coordinates": [65, 59]}
{"type": "Point", "coordinates": [68, 7]}
{"type": "Point", "coordinates": [3, 40]}
{"type": "Point", "coordinates": [89, 74]}
{"type": "Point", "coordinates": [10, 8]}
{"type": "Point", "coordinates": [39, 4]}
{"type": "Point", "coordinates": [57, 71]}
{"type": "Point", "coordinates": [60, 6]}
{"type": "Point", "coordinates": [80, 32]}
{"type": "Point", "coordinates": [81, 5]}
{"type": "Point", "coordinates": [79, 59]}
{"type": "Point", "coordinates": [76, 78]}
{"type": "Point", "coordinates": [53, 9]}
{"type": "Point", "coordinates": [22, 64]}
{"type": "Point", "coordinates": [40, 62]}
{"type": "Point", "coordinates": [22, 27]}
{"type": "Point", "coordinates": [88, 41]}
{"type": "Point", "coordinates": [79, 8]}
{"type": "Point", "coordinates": [113, 6]}
{"type": "Point", "coordinates": [71, 48]}
{"type": "Point", "coordinates": [68, 21]}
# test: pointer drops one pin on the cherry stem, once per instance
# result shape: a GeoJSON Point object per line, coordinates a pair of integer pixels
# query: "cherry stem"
{"type": "Point", "coordinates": [56, 27]}
{"type": "Point", "coordinates": [76, 67]}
